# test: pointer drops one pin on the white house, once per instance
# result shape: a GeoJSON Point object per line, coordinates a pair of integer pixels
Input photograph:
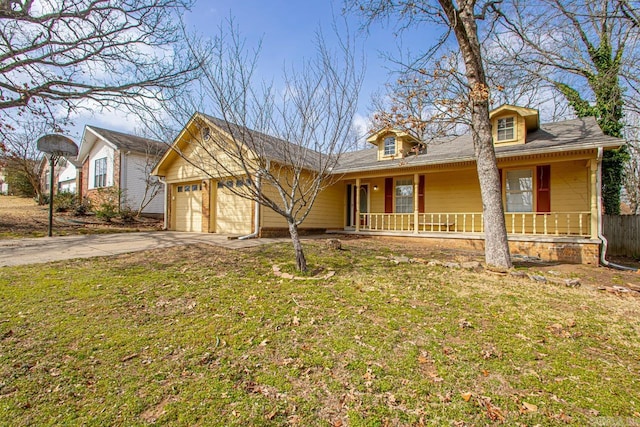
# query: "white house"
{"type": "Point", "coordinates": [121, 161]}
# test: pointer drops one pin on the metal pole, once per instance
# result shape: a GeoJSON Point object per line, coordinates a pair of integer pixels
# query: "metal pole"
{"type": "Point", "coordinates": [51, 165]}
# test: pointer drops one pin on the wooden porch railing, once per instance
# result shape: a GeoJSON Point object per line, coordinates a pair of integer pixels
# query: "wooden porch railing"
{"type": "Point", "coordinates": [532, 223]}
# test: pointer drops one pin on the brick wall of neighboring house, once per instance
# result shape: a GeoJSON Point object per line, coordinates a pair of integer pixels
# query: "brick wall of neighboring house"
{"type": "Point", "coordinates": [84, 179]}
{"type": "Point", "coordinates": [116, 171]}
{"type": "Point", "coordinates": [98, 195]}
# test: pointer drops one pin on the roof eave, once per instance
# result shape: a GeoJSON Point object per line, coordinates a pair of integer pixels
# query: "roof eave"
{"type": "Point", "coordinates": [499, 155]}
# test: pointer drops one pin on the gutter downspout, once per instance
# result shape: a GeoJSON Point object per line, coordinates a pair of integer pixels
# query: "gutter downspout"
{"type": "Point", "coordinates": [166, 194]}
{"type": "Point", "coordinates": [256, 220]}
{"type": "Point", "coordinates": [603, 249]}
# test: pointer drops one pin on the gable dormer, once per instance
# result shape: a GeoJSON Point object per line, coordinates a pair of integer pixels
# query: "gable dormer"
{"type": "Point", "coordinates": [510, 124]}
{"type": "Point", "coordinates": [392, 143]}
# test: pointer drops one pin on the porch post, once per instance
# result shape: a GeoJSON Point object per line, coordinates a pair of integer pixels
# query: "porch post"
{"type": "Point", "coordinates": [357, 190]}
{"type": "Point", "coordinates": [593, 181]}
{"type": "Point", "coordinates": [416, 183]}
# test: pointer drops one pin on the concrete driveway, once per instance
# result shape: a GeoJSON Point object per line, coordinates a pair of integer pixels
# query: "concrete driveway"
{"type": "Point", "coordinates": [47, 249]}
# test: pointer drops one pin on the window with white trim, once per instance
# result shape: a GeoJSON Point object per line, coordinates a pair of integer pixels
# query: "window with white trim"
{"type": "Point", "coordinates": [506, 129]}
{"type": "Point", "coordinates": [390, 146]}
{"type": "Point", "coordinates": [519, 190]}
{"type": "Point", "coordinates": [100, 173]}
{"type": "Point", "coordinates": [404, 195]}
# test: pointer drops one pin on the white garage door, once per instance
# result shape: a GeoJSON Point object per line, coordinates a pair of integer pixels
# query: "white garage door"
{"type": "Point", "coordinates": [188, 205]}
{"type": "Point", "coordinates": [233, 213]}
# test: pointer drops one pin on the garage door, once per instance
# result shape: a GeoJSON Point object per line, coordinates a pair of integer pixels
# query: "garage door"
{"type": "Point", "coordinates": [233, 213]}
{"type": "Point", "coordinates": [188, 211]}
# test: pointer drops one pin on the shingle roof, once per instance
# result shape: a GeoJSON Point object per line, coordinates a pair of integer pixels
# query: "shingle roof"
{"type": "Point", "coordinates": [268, 146]}
{"type": "Point", "coordinates": [125, 141]}
{"type": "Point", "coordinates": [560, 136]}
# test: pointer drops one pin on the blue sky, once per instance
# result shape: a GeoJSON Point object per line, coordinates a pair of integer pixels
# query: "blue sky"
{"type": "Point", "coordinates": [287, 29]}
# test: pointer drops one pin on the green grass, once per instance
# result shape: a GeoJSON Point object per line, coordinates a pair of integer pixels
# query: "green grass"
{"type": "Point", "coordinates": [206, 336]}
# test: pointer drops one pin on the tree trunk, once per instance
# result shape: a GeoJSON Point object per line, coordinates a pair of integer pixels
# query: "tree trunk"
{"type": "Point", "coordinates": [463, 22]}
{"type": "Point", "coordinates": [496, 244]}
{"type": "Point", "coordinates": [301, 261]}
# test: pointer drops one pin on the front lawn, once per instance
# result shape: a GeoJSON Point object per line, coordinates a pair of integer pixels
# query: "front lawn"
{"type": "Point", "coordinates": [206, 336]}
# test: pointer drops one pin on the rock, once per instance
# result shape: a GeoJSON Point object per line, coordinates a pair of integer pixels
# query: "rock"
{"type": "Point", "coordinates": [470, 265]}
{"type": "Point", "coordinates": [621, 289]}
{"type": "Point", "coordinates": [400, 259]}
{"type": "Point", "coordinates": [434, 263]}
{"type": "Point", "coordinates": [381, 258]}
{"type": "Point", "coordinates": [572, 283]}
{"type": "Point", "coordinates": [538, 278]}
{"type": "Point", "coordinates": [334, 244]}
{"type": "Point", "coordinates": [517, 273]}
{"type": "Point", "coordinates": [451, 265]}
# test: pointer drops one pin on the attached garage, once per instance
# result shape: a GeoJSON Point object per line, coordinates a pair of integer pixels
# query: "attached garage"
{"type": "Point", "coordinates": [188, 206]}
{"type": "Point", "coordinates": [233, 213]}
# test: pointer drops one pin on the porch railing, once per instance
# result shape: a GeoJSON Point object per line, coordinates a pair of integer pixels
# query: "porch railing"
{"type": "Point", "coordinates": [532, 223]}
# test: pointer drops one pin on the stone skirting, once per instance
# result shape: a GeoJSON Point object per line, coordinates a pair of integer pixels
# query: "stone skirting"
{"type": "Point", "coordinates": [562, 249]}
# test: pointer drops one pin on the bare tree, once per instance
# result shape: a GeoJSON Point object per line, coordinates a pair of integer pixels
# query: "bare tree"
{"type": "Point", "coordinates": [588, 50]}
{"type": "Point", "coordinates": [282, 143]}
{"type": "Point", "coordinates": [152, 186]}
{"type": "Point", "coordinates": [23, 157]}
{"type": "Point", "coordinates": [471, 96]}
{"type": "Point", "coordinates": [70, 53]}
{"type": "Point", "coordinates": [632, 167]}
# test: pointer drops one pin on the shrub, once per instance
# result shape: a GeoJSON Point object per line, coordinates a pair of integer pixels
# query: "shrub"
{"type": "Point", "coordinates": [127, 214]}
{"type": "Point", "coordinates": [83, 207]}
{"type": "Point", "coordinates": [64, 201]}
{"type": "Point", "coordinates": [108, 205]}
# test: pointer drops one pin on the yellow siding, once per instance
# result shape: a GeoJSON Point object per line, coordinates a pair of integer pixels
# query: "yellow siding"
{"type": "Point", "coordinates": [182, 170]}
{"type": "Point", "coordinates": [233, 213]}
{"type": "Point", "coordinates": [570, 186]}
{"type": "Point", "coordinates": [376, 197]}
{"type": "Point", "coordinates": [454, 191]}
{"type": "Point", "coordinates": [328, 211]}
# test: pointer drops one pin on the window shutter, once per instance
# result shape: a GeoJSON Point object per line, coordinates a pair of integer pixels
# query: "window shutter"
{"type": "Point", "coordinates": [543, 190]}
{"type": "Point", "coordinates": [421, 194]}
{"type": "Point", "coordinates": [388, 195]}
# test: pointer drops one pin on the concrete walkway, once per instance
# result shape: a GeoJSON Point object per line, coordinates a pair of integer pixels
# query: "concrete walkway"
{"type": "Point", "coordinates": [47, 249]}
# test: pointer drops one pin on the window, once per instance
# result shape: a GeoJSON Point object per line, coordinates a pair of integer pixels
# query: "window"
{"type": "Point", "coordinates": [404, 196]}
{"type": "Point", "coordinates": [390, 146]}
{"type": "Point", "coordinates": [179, 188]}
{"type": "Point", "coordinates": [187, 188]}
{"type": "Point", "coordinates": [195, 187]}
{"type": "Point", "coordinates": [506, 129]}
{"type": "Point", "coordinates": [100, 173]}
{"type": "Point", "coordinates": [519, 191]}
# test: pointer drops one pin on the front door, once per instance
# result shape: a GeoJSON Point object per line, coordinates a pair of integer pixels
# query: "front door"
{"type": "Point", "coordinates": [351, 204]}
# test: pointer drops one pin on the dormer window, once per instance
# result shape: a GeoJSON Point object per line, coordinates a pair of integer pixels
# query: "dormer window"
{"type": "Point", "coordinates": [506, 129]}
{"type": "Point", "coordinates": [390, 146]}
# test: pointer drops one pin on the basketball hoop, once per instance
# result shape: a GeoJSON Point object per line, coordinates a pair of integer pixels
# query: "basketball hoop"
{"type": "Point", "coordinates": [56, 146]}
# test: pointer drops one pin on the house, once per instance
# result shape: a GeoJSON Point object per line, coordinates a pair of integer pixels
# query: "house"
{"type": "Point", "coordinates": [122, 162]}
{"type": "Point", "coordinates": [400, 187]}
{"type": "Point", "coordinates": [4, 186]}
{"type": "Point", "coordinates": [66, 175]}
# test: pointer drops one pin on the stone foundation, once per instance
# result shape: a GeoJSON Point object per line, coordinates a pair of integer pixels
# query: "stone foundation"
{"type": "Point", "coordinates": [560, 249]}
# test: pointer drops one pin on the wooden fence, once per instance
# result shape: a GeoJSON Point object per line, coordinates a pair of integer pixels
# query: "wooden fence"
{"type": "Point", "coordinates": [623, 234]}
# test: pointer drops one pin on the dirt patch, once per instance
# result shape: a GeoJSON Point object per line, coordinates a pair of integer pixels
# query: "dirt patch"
{"type": "Point", "coordinates": [22, 217]}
